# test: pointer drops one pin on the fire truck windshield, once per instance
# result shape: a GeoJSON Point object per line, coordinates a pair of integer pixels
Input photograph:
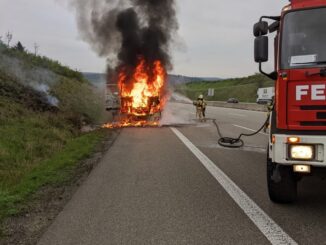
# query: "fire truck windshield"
{"type": "Point", "coordinates": [304, 39]}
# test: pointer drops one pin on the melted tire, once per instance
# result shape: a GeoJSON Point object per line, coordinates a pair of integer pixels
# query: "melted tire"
{"type": "Point", "coordinates": [281, 182]}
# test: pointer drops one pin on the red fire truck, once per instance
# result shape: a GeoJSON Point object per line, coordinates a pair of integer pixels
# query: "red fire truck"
{"type": "Point", "coordinates": [297, 142]}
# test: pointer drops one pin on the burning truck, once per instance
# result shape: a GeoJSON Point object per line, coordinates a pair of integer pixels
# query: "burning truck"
{"type": "Point", "coordinates": [141, 94]}
{"type": "Point", "coordinates": [135, 37]}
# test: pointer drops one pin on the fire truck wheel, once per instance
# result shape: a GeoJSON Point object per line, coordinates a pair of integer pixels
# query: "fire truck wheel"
{"type": "Point", "coordinates": [281, 182]}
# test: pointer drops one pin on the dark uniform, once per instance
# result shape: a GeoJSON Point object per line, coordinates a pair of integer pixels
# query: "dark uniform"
{"type": "Point", "coordinates": [270, 108]}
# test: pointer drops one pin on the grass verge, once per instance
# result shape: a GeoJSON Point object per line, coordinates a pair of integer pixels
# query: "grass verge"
{"type": "Point", "coordinates": [53, 171]}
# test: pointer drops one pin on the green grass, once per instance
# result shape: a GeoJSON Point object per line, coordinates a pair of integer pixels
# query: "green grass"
{"type": "Point", "coordinates": [244, 89]}
{"type": "Point", "coordinates": [25, 142]}
{"type": "Point", "coordinates": [41, 145]}
{"type": "Point", "coordinates": [79, 102]}
{"type": "Point", "coordinates": [55, 170]}
{"type": "Point", "coordinates": [36, 148]}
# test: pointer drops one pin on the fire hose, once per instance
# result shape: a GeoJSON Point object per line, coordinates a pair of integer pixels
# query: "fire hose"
{"type": "Point", "coordinates": [230, 142]}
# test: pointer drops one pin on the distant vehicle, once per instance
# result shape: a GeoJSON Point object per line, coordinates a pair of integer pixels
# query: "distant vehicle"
{"type": "Point", "coordinates": [265, 95]}
{"type": "Point", "coordinates": [232, 100]}
{"type": "Point", "coordinates": [113, 102]}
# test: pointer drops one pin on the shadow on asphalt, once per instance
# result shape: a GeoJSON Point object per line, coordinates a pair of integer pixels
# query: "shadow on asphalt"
{"type": "Point", "coordinates": [312, 192]}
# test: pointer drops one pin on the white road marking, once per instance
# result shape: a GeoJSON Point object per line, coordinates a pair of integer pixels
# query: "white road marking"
{"type": "Point", "coordinates": [249, 129]}
{"type": "Point", "coordinates": [237, 115]}
{"type": "Point", "coordinates": [272, 231]}
{"type": "Point", "coordinates": [235, 109]}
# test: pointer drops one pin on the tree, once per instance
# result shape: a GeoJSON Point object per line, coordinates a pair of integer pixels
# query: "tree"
{"type": "Point", "coordinates": [9, 38]}
{"type": "Point", "coordinates": [36, 48]}
{"type": "Point", "coordinates": [20, 47]}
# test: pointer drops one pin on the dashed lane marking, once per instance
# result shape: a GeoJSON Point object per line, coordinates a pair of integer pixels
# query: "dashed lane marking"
{"type": "Point", "coordinates": [249, 129]}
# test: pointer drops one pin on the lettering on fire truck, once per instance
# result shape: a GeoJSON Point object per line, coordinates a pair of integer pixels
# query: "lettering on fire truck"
{"type": "Point", "coordinates": [317, 92]}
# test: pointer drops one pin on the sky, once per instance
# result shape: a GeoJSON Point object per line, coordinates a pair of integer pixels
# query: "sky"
{"type": "Point", "coordinates": [214, 39]}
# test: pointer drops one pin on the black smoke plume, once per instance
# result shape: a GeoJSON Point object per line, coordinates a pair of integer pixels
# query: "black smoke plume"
{"type": "Point", "coordinates": [125, 30]}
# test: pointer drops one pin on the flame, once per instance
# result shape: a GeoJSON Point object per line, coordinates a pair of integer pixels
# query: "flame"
{"type": "Point", "coordinates": [129, 123]}
{"type": "Point", "coordinates": [141, 95]}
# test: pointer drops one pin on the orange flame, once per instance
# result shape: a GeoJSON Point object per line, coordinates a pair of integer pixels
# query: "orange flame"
{"type": "Point", "coordinates": [142, 95]}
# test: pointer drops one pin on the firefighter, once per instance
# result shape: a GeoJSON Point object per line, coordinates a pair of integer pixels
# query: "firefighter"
{"type": "Point", "coordinates": [200, 107]}
{"type": "Point", "coordinates": [270, 107]}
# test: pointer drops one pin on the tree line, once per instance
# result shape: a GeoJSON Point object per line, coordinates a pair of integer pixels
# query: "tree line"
{"type": "Point", "coordinates": [19, 50]}
{"type": "Point", "coordinates": [19, 46]}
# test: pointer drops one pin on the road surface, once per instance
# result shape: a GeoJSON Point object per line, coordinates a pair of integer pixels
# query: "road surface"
{"type": "Point", "coordinates": [175, 185]}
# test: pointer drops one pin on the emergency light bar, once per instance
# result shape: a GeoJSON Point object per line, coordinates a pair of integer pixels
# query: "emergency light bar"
{"type": "Point", "coordinates": [297, 1]}
{"type": "Point", "coordinates": [301, 4]}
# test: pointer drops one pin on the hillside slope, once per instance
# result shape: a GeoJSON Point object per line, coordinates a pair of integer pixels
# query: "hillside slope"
{"type": "Point", "coordinates": [43, 106]}
{"type": "Point", "coordinates": [244, 89]}
{"type": "Point", "coordinates": [99, 79]}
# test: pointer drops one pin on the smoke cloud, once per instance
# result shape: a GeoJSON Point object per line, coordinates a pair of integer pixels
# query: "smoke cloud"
{"type": "Point", "coordinates": [44, 88]}
{"type": "Point", "coordinates": [40, 79]}
{"type": "Point", "coordinates": [124, 31]}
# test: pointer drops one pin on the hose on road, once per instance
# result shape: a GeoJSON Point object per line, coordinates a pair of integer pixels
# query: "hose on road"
{"type": "Point", "coordinates": [235, 142]}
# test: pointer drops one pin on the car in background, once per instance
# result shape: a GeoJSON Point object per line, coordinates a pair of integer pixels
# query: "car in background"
{"type": "Point", "coordinates": [232, 100]}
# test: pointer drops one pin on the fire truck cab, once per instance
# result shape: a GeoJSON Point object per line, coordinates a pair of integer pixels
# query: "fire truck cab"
{"type": "Point", "coordinates": [297, 142]}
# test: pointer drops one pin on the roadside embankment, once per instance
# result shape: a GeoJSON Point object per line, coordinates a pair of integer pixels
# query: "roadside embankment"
{"type": "Point", "coordinates": [44, 110]}
{"type": "Point", "coordinates": [242, 106]}
{"type": "Point", "coordinates": [244, 88]}
{"type": "Point", "coordinates": [180, 98]}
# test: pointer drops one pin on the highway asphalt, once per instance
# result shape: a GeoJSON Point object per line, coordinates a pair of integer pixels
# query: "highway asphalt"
{"type": "Point", "coordinates": [175, 185]}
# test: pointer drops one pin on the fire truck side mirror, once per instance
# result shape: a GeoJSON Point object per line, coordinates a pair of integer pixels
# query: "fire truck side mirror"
{"type": "Point", "coordinates": [261, 49]}
{"type": "Point", "coordinates": [260, 28]}
{"type": "Point", "coordinates": [274, 26]}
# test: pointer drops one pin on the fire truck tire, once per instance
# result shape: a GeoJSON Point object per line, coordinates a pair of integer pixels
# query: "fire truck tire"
{"type": "Point", "coordinates": [281, 182]}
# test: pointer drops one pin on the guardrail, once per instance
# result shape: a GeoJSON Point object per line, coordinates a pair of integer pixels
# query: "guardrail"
{"type": "Point", "coordinates": [242, 106]}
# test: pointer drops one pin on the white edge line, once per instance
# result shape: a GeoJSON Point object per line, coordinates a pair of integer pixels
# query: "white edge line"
{"type": "Point", "coordinates": [272, 231]}
{"type": "Point", "coordinates": [230, 108]}
{"type": "Point", "coordinates": [249, 129]}
{"type": "Point", "coordinates": [237, 115]}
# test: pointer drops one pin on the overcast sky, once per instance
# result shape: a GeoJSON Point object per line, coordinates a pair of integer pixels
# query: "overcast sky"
{"type": "Point", "coordinates": [215, 36]}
